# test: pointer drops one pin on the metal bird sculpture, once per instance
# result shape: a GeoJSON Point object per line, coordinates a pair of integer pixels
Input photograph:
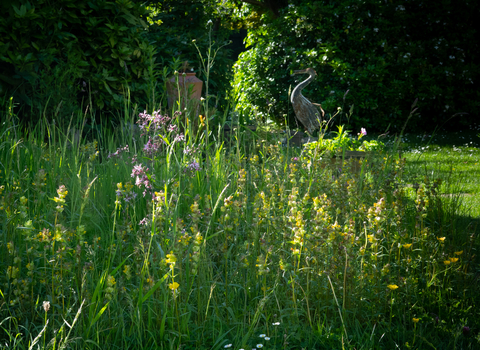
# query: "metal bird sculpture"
{"type": "Point", "coordinates": [305, 110]}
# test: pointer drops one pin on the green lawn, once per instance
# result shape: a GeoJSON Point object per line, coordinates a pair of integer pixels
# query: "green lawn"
{"type": "Point", "coordinates": [453, 157]}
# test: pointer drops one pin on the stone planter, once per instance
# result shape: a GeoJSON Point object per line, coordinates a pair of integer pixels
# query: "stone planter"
{"type": "Point", "coordinates": [351, 160]}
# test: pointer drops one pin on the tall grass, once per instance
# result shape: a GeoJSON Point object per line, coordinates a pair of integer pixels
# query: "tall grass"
{"type": "Point", "coordinates": [186, 240]}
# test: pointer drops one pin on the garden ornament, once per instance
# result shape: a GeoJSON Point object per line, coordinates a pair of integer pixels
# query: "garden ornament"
{"type": "Point", "coordinates": [305, 110]}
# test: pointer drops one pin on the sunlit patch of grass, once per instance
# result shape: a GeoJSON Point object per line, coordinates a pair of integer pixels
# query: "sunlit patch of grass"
{"type": "Point", "coordinates": [454, 157]}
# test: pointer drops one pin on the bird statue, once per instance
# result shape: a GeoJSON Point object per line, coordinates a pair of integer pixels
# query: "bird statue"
{"type": "Point", "coordinates": [305, 110]}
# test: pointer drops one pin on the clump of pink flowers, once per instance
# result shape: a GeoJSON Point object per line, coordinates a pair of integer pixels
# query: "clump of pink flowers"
{"type": "Point", "coordinates": [153, 145]}
{"type": "Point", "coordinates": [193, 166]}
{"type": "Point", "coordinates": [152, 122]}
{"type": "Point", "coordinates": [140, 173]}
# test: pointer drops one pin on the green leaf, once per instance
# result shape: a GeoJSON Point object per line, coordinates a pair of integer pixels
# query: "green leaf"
{"type": "Point", "coordinates": [20, 12]}
{"type": "Point", "coordinates": [107, 87]}
{"type": "Point", "coordinates": [92, 61]}
{"type": "Point", "coordinates": [100, 313]}
{"type": "Point", "coordinates": [154, 288]}
{"type": "Point", "coordinates": [93, 5]}
{"type": "Point", "coordinates": [121, 264]}
{"type": "Point", "coordinates": [130, 18]}
{"type": "Point", "coordinates": [162, 326]}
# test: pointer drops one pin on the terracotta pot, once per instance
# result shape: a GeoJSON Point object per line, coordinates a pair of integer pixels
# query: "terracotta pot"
{"type": "Point", "coordinates": [190, 88]}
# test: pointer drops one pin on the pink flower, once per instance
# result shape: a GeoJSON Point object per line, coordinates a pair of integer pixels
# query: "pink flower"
{"type": "Point", "coordinates": [363, 131]}
{"type": "Point", "coordinates": [152, 146]}
{"type": "Point", "coordinates": [138, 170]}
{"type": "Point", "coordinates": [194, 166]}
{"type": "Point", "coordinates": [118, 152]}
{"type": "Point", "coordinates": [179, 138]}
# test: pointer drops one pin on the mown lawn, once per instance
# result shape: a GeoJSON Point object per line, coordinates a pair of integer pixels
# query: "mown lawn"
{"type": "Point", "coordinates": [454, 157]}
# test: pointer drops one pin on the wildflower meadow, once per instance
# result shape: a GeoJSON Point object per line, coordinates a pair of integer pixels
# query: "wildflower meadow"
{"type": "Point", "coordinates": [167, 234]}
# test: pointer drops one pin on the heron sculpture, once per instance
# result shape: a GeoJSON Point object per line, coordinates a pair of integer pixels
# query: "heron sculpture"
{"type": "Point", "coordinates": [305, 110]}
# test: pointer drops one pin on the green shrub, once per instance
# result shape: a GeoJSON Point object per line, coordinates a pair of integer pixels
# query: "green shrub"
{"type": "Point", "coordinates": [101, 43]}
{"type": "Point", "coordinates": [385, 54]}
{"type": "Point", "coordinates": [344, 142]}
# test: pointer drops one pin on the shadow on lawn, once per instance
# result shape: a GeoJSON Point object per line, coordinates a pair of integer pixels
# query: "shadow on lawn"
{"type": "Point", "coordinates": [446, 138]}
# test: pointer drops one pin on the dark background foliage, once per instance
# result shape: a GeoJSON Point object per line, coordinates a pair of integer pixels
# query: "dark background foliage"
{"type": "Point", "coordinates": [385, 53]}
{"type": "Point", "coordinates": [183, 21]}
{"type": "Point", "coordinates": [55, 55]}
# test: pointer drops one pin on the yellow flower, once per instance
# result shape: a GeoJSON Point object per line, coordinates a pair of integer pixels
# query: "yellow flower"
{"type": "Point", "coordinates": [441, 239]}
{"type": "Point", "coordinates": [406, 246]}
{"type": "Point", "coordinates": [111, 281]}
{"type": "Point", "coordinates": [171, 259]}
{"type": "Point", "coordinates": [447, 262]}
{"type": "Point", "coordinates": [173, 286]}
{"type": "Point", "coordinates": [392, 286]}
{"type": "Point", "coordinates": [453, 260]}
{"type": "Point", "coordinates": [459, 253]}
{"type": "Point", "coordinates": [415, 320]}
{"type": "Point", "coordinates": [127, 271]}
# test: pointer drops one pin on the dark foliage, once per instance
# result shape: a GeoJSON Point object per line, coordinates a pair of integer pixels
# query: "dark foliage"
{"type": "Point", "coordinates": [54, 54]}
{"type": "Point", "coordinates": [385, 53]}
{"type": "Point", "coordinates": [184, 21]}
